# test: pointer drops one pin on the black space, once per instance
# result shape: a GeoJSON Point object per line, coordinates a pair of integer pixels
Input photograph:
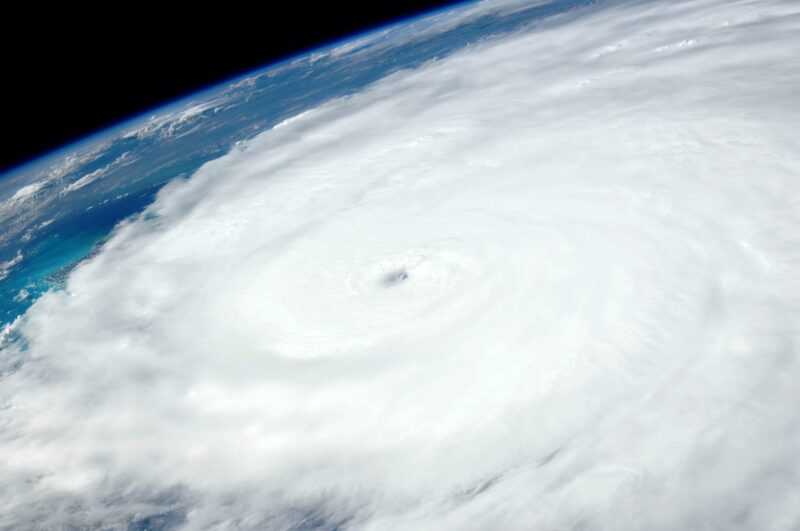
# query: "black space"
{"type": "Point", "coordinates": [81, 70]}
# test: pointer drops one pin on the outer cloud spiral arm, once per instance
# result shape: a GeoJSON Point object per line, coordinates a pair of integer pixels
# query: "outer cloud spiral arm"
{"type": "Point", "coordinates": [547, 282]}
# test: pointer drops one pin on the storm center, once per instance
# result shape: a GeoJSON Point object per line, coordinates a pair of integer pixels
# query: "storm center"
{"type": "Point", "coordinates": [395, 277]}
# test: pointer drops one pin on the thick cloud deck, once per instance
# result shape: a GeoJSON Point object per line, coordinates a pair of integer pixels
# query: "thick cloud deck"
{"type": "Point", "coordinates": [550, 282]}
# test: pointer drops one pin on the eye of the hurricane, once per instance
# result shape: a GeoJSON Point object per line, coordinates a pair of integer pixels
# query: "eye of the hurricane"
{"type": "Point", "coordinates": [334, 300]}
{"type": "Point", "coordinates": [395, 277]}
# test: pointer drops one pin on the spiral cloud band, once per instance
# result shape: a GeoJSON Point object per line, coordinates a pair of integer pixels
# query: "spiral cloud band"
{"type": "Point", "coordinates": [551, 281]}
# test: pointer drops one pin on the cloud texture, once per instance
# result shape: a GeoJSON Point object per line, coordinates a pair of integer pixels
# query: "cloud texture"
{"type": "Point", "coordinates": [550, 282]}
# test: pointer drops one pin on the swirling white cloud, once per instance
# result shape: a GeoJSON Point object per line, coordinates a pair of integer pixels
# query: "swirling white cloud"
{"type": "Point", "coordinates": [548, 282]}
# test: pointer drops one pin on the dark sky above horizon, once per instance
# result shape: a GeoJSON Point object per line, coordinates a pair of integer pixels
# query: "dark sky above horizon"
{"type": "Point", "coordinates": [78, 72]}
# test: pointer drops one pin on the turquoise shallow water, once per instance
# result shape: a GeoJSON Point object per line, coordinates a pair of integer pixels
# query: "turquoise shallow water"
{"type": "Point", "coordinates": [61, 245]}
{"type": "Point", "coordinates": [84, 193]}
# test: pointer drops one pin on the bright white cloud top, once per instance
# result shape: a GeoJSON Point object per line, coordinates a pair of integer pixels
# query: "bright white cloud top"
{"type": "Point", "coordinates": [549, 282]}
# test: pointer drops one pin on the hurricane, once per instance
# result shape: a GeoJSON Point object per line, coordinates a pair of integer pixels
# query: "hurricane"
{"type": "Point", "coordinates": [549, 281]}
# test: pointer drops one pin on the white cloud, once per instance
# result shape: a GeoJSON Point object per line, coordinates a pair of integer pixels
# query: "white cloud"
{"type": "Point", "coordinates": [21, 295]}
{"type": "Point", "coordinates": [98, 174]}
{"type": "Point", "coordinates": [176, 122]}
{"type": "Point", "coordinates": [27, 191]}
{"type": "Point", "coordinates": [8, 265]}
{"type": "Point", "coordinates": [550, 282]}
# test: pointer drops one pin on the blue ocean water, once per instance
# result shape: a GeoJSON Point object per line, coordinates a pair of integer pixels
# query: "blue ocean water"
{"type": "Point", "coordinates": [80, 194]}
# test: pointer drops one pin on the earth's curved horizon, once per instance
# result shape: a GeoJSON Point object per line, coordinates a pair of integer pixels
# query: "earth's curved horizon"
{"type": "Point", "coordinates": [508, 265]}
